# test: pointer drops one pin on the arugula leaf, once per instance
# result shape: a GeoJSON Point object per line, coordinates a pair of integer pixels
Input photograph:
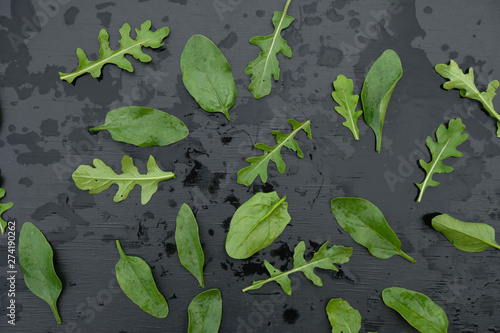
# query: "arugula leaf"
{"type": "Point", "coordinates": [344, 96]}
{"type": "Point", "coordinates": [343, 317]}
{"type": "Point", "coordinates": [207, 75]}
{"type": "Point", "coordinates": [143, 127]}
{"type": "Point", "coordinates": [417, 309]}
{"type": "Point", "coordinates": [325, 258]}
{"type": "Point", "coordinates": [189, 248]}
{"type": "Point", "coordinates": [101, 177]}
{"type": "Point", "coordinates": [266, 65]}
{"type": "Point", "coordinates": [205, 312]}
{"type": "Point", "coordinates": [466, 236]}
{"type": "Point", "coordinates": [145, 38]}
{"type": "Point", "coordinates": [448, 139]}
{"type": "Point", "coordinates": [377, 90]}
{"type": "Point", "coordinates": [136, 280]}
{"type": "Point", "coordinates": [258, 165]}
{"type": "Point", "coordinates": [256, 224]}
{"type": "Point", "coordinates": [3, 208]}
{"type": "Point", "coordinates": [367, 226]}
{"type": "Point", "coordinates": [37, 262]}
{"type": "Point", "coordinates": [465, 83]}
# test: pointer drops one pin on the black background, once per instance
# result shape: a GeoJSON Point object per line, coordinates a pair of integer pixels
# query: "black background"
{"type": "Point", "coordinates": [44, 138]}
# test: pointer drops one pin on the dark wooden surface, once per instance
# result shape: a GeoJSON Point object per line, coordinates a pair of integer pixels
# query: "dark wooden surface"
{"type": "Point", "coordinates": [44, 137]}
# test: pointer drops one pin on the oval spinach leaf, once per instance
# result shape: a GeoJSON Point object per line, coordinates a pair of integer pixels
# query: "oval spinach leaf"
{"type": "Point", "coordinates": [256, 224]}
{"type": "Point", "coordinates": [207, 75]}
{"type": "Point", "coordinates": [143, 127]}
{"type": "Point", "coordinates": [377, 90]}
{"type": "Point", "coordinates": [205, 312]}
{"type": "Point", "coordinates": [136, 280]}
{"type": "Point", "coordinates": [417, 309]}
{"type": "Point", "coordinates": [367, 226]}
{"type": "Point", "coordinates": [343, 317]}
{"type": "Point", "coordinates": [466, 236]}
{"type": "Point", "coordinates": [36, 260]}
{"type": "Point", "coordinates": [188, 243]}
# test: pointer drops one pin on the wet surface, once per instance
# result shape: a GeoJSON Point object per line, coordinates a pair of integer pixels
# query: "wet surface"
{"type": "Point", "coordinates": [44, 138]}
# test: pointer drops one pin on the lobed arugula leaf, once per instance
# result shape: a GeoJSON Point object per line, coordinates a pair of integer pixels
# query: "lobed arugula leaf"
{"type": "Point", "coordinates": [325, 258]}
{"type": "Point", "coordinates": [136, 280]}
{"type": "Point", "coordinates": [448, 139]}
{"type": "Point", "coordinates": [101, 177]}
{"type": "Point", "coordinates": [258, 165]}
{"type": "Point", "coordinates": [466, 236]}
{"type": "Point", "coordinates": [256, 224]}
{"type": "Point", "coordinates": [417, 309]}
{"type": "Point", "coordinates": [143, 127]}
{"type": "Point", "coordinates": [465, 83]}
{"type": "Point", "coordinates": [367, 226]}
{"type": "Point", "coordinates": [207, 75]}
{"type": "Point", "coordinates": [187, 239]}
{"type": "Point", "coordinates": [205, 312]}
{"type": "Point", "coordinates": [3, 208]}
{"type": "Point", "coordinates": [145, 38]}
{"type": "Point", "coordinates": [344, 96]}
{"type": "Point", "coordinates": [37, 262]}
{"type": "Point", "coordinates": [266, 66]}
{"type": "Point", "coordinates": [377, 91]}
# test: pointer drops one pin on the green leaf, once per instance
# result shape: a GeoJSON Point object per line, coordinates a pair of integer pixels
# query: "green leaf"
{"type": "Point", "coordinates": [266, 65]}
{"type": "Point", "coordinates": [465, 83]}
{"type": "Point", "coordinates": [205, 312]}
{"type": "Point", "coordinates": [417, 309]}
{"type": "Point", "coordinates": [343, 317]}
{"type": "Point", "coordinates": [258, 164]}
{"type": "Point", "coordinates": [207, 75]}
{"type": "Point", "coordinates": [325, 258]}
{"type": "Point", "coordinates": [256, 224]}
{"type": "Point", "coordinates": [377, 90]}
{"type": "Point", "coordinates": [36, 260]}
{"type": "Point", "coordinates": [466, 236]}
{"type": "Point", "coordinates": [136, 280]}
{"type": "Point", "coordinates": [189, 248]}
{"type": "Point", "coordinates": [145, 38]}
{"type": "Point", "coordinates": [143, 127]}
{"type": "Point", "coordinates": [3, 208]}
{"type": "Point", "coordinates": [101, 177]}
{"type": "Point", "coordinates": [448, 139]}
{"type": "Point", "coordinates": [344, 96]}
{"type": "Point", "coordinates": [367, 226]}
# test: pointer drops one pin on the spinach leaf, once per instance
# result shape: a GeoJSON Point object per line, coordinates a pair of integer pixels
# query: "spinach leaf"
{"type": "Point", "coordinates": [143, 127]}
{"type": "Point", "coordinates": [266, 65]}
{"type": "Point", "coordinates": [207, 75]}
{"type": "Point", "coordinates": [465, 83]}
{"type": "Point", "coordinates": [367, 226]}
{"type": "Point", "coordinates": [136, 280]}
{"type": "Point", "coordinates": [3, 208]}
{"type": "Point", "coordinates": [205, 312]}
{"type": "Point", "coordinates": [145, 38]}
{"type": "Point", "coordinates": [448, 139]}
{"type": "Point", "coordinates": [258, 164]}
{"type": "Point", "coordinates": [347, 101]}
{"type": "Point", "coordinates": [343, 317]}
{"type": "Point", "coordinates": [417, 309]}
{"type": "Point", "coordinates": [188, 243]}
{"type": "Point", "coordinates": [466, 236]}
{"type": "Point", "coordinates": [256, 224]}
{"type": "Point", "coordinates": [325, 258]}
{"type": "Point", "coordinates": [100, 178]}
{"type": "Point", "coordinates": [37, 262]}
{"type": "Point", "coordinates": [377, 90]}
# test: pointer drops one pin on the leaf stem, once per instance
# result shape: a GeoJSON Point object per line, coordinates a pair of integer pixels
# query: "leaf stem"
{"type": "Point", "coordinates": [407, 257]}
{"type": "Point", "coordinates": [53, 307]}
{"type": "Point", "coordinates": [120, 250]}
